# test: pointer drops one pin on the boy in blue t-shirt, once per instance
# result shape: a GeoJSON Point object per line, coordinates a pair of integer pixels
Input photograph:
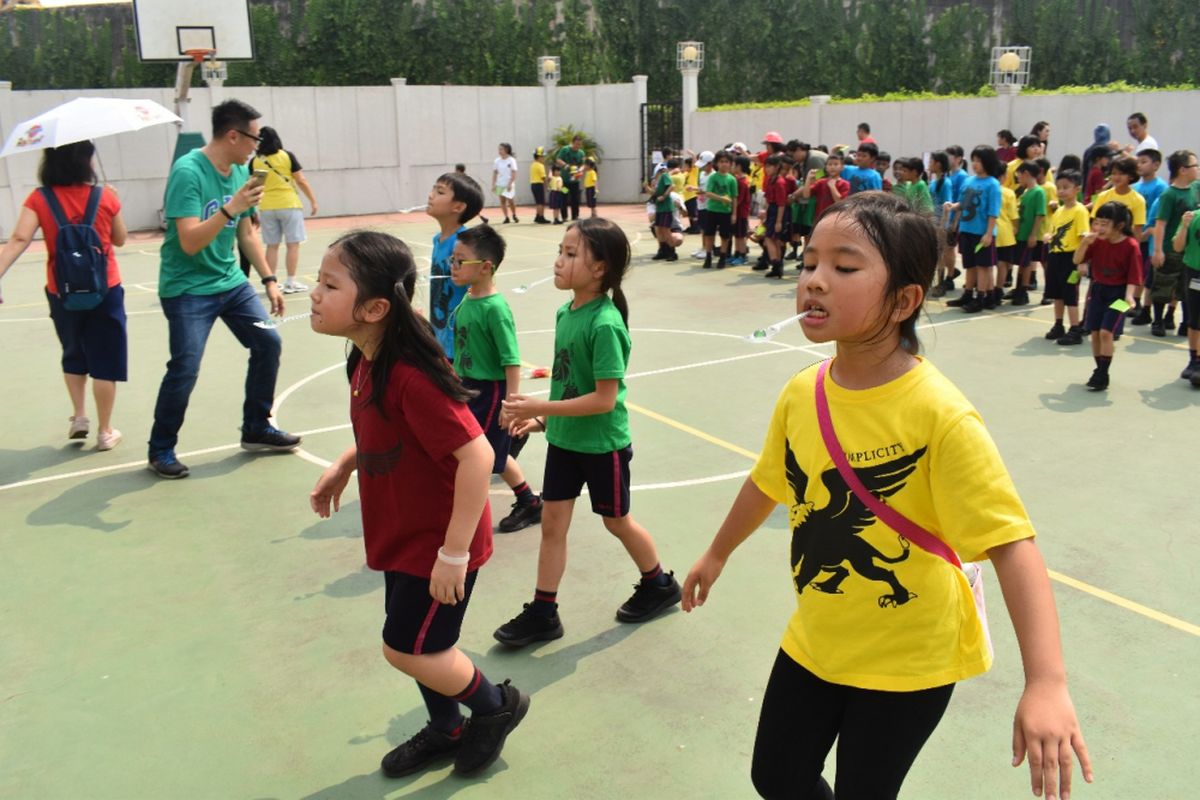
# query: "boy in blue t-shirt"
{"type": "Point", "coordinates": [454, 200]}
{"type": "Point", "coordinates": [863, 176]}
{"type": "Point", "coordinates": [1151, 188]}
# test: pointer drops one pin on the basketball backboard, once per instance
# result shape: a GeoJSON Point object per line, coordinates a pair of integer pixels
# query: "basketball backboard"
{"type": "Point", "coordinates": [167, 29]}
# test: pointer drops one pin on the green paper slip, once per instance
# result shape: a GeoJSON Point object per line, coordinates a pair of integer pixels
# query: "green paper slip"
{"type": "Point", "coordinates": [1073, 278]}
{"type": "Point", "coordinates": [1119, 305]}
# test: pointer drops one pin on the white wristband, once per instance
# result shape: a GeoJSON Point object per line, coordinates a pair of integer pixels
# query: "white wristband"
{"type": "Point", "coordinates": [454, 561]}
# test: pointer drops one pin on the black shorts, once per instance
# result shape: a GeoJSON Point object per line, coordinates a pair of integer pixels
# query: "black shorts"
{"type": "Point", "coordinates": [1027, 255]}
{"type": "Point", "coordinates": [1007, 254]}
{"type": "Point", "coordinates": [416, 623]}
{"type": "Point", "coordinates": [663, 219]}
{"type": "Point", "coordinates": [591, 196]}
{"type": "Point", "coordinates": [93, 342]}
{"type": "Point", "coordinates": [1100, 315]}
{"type": "Point", "coordinates": [967, 242]}
{"type": "Point", "coordinates": [606, 476]}
{"type": "Point", "coordinates": [741, 228]}
{"type": "Point", "coordinates": [1059, 267]}
{"type": "Point", "coordinates": [1191, 298]}
{"type": "Point", "coordinates": [539, 193]}
{"type": "Point", "coordinates": [775, 213]}
{"type": "Point", "coordinates": [556, 199]}
{"type": "Point", "coordinates": [718, 221]}
{"type": "Point", "coordinates": [485, 407]}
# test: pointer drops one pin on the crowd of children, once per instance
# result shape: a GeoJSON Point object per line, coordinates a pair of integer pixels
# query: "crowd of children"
{"type": "Point", "coordinates": [1006, 215]}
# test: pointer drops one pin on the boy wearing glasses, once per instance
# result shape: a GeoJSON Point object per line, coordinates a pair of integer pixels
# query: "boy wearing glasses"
{"type": "Point", "coordinates": [487, 359]}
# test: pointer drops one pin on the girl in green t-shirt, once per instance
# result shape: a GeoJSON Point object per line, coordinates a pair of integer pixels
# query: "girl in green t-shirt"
{"type": "Point", "coordinates": [587, 430]}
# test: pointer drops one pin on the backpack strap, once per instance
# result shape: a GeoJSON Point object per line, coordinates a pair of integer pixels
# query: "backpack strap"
{"type": "Point", "coordinates": [882, 511]}
{"type": "Point", "coordinates": [93, 205]}
{"type": "Point", "coordinates": [56, 209]}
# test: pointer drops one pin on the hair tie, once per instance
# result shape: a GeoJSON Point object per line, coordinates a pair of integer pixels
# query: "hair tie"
{"type": "Point", "coordinates": [398, 288]}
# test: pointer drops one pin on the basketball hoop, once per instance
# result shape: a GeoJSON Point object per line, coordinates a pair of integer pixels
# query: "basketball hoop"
{"type": "Point", "coordinates": [199, 54]}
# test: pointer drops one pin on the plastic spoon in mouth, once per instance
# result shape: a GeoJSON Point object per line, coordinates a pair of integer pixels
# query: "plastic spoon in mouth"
{"type": "Point", "coordinates": [524, 287]}
{"type": "Point", "coordinates": [421, 207]}
{"type": "Point", "coordinates": [771, 331]}
{"type": "Point", "coordinates": [275, 323]}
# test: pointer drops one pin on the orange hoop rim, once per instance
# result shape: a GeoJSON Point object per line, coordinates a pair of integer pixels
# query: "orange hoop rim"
{"type": "Point", "coordinates": [199, 54]}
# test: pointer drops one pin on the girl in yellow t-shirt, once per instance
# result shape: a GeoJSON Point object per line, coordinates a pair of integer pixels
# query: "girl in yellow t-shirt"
{"type": "Point", "coordinates": [883, 628]}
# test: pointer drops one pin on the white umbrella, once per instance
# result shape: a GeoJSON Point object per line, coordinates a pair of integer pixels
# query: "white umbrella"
{"type": "Point", "coordinates": [85, 118]}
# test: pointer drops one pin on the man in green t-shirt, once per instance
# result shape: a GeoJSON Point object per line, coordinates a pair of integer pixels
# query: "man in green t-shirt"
{"type": "Point", "coordinates": [207, 207]}
{"type": "Point", "coordinates": [571, 158]}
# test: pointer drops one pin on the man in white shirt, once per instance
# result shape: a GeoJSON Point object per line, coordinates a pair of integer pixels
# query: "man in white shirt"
{"type": "Point", "coordinates": [1139, 128]}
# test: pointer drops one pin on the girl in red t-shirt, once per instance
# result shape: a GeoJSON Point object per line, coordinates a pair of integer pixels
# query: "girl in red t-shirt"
{"type": "Point", "coordinates": [93, 342]}
{"type": "Point", "coordinates": [423, 470]}
{"type": "Point", "coordinates": [1114, 262]}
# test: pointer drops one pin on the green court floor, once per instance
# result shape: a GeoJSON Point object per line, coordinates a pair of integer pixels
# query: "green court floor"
{"type": "Point", "coordinates": [212, 638]}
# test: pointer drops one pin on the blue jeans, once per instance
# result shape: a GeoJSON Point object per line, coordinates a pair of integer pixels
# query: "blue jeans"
{"type": "Point", "coordinates": [190, 318]}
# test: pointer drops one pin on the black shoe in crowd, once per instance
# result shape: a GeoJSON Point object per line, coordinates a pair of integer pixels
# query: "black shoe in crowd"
{"type": "Point", "coordinates": [649, 600]}
{"type": "Point", "coordinates": [522, 516]}
{"type": "Point", "coordinates": [484, 737]}
{"type": "Point", "coordinates": [529, 627]}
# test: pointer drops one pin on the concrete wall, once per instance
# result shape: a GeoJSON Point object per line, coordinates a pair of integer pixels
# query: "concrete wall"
{"type": "Point", "coordinates": [914, 127]}
{"type": "Point", "coordinates": [365, 149]}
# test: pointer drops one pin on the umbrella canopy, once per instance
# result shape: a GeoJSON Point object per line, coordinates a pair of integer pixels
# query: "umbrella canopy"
{"type": "Point", "coordinates": [85, 118]}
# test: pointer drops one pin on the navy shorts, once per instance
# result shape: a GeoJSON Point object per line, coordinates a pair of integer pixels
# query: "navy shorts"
{"type": "Point", "coordinates": [1059, 267]}
{"type": "Point", "coordinates": [539, 193]}
{"type": "Point", "coordinates": [1099, 316]}
{"type": "Point", "coordinates": [1027, 255]}
{"type": "Point", "coordinates": [606, 476]}
{"type": "Point", "coordinates": [415, 622]}
{"type": "Point", "coordinates": [718, 221]}
{"type": "Point", "coordinates": [591, 196]}
{"type": "Point", "coordinates": [773, 214]}
{"type": "Point", "coordinates": [93, 342]}
{"type": "Point", "coordinates": [663, 219]}
{"type": "Point", "coordinates": [1006, 254]}
{"type": "Point", "coordinates": [967, 242]}
{"type": "Point", "coordinates": [485, 407]}
{"type": "Point", "coordinates": [1191, 298]}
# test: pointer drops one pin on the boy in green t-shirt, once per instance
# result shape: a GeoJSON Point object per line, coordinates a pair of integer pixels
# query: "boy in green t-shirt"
{"type": "Point", "coordinates": [487, 359]}
{"type": "Point", "coordinates": [1031, 216]}
{"type": "Point", "coordinates": [720, 195]}
{"type": "Point", "coordinates": [664, 212]}
{"type": "Point", "coordinates": [1181, 196]}
{"type": "Point", "coordinates": [1187, 239]}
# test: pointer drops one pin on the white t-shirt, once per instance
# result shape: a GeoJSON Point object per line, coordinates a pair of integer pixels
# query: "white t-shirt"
{"type": "Point", "coordinates": [505, 169]}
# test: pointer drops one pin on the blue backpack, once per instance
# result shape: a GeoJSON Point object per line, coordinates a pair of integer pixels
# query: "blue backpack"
{"type": "Point", "coordinates": [80, 265]}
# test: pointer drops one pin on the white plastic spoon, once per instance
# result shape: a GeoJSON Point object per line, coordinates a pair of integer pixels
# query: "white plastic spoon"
{"type": "Point", "coordinates": [771, 331]}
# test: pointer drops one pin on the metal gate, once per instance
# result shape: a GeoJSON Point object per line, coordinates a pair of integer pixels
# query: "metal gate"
{"type": "Point", "coordinates": [662, 126]}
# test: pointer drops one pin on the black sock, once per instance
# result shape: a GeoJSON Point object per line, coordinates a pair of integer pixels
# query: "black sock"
{"type": "Point", "coordinates": [524, 494]}
{"type": "Point", "coordinates": [1058, 321]}
{"type": "Point", "coordinates": [1103, 362]}
{"type": "Point", "coordinates": [1158, 313]}
{"type": "Point", "coordinates": [544, 603]}
{"type": "Point", "coordinates": [480, 696]}
{"type": "Point", "coordinates": [444, 714]}
{"type": "Point", "coordinates": [656, 576]}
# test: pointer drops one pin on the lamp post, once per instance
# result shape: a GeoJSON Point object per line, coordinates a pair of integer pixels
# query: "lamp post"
{"type": "Point", "coordinates": [689, 60]}
{"type": "Point", "coordinates": [1010, 73]}
{"type": "Point", "coordinates": [549, 71]}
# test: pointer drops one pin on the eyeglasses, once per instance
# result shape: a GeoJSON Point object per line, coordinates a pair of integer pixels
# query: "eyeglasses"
{"type": "Point", "coordinates": [248, 135]}
{"type": "Point", "coordinates": [458, 262]}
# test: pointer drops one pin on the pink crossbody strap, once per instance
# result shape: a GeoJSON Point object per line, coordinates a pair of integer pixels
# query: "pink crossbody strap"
{"type": "Point", "coordinates": [882, 511]}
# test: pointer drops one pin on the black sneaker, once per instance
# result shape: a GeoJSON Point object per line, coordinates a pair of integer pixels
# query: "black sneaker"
{"type": "Point", "coordinates": [1020, 297]}
{"type": "Point", "coordinates": [649, 600]}
{"type": "Point", "coordinates": [1046, 301]}
{"type": "Point", "coordinates": [973, 306]}
{"type": "Point", "coordinates": [1056, 332]}
{"type": "Point", "coordinates": [269, 439]}
{"type": "Point", "coordinates": [708, 261]}
{"type": "Point", "coordinates": [776, 271]}
{"type": "Point", "coordinates": [426, 747]}
{"type": "Point", "coordinates": [1181, 330]}
{"type": "Point", "coordinates": [529, 627]}
{"type": "Point", "coordinates": [167, 466]}
{"type": "Point", "coordinates": [484, 737]}
{"type": "Point", "coordinates": [961, 300]}
{"type": "Point", "coordinates": [671, 255]}
{"type": "Point", "coordinates": [1073, 336]}
{"type": "Point", "coordinates": [1142, 317]}
{"type": "Point", "coordinates": [759, 266]}
{"type": "Point", "coordinates": [521, 516]}
{"type": "Point", "coordinates": [1099, 380]}
{"type": "Point", "coordinates": [1156, 329]}
{"type": "Point", "coordinates": [721, 262]}
{"type": "Point", "coordinates": [1032, 282]}
{"type": "Point", "coordinates": [1191, 370]}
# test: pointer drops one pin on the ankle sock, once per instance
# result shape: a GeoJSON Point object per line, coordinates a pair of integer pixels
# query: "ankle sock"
{"type": "Point", "coordinates": [656, 576]}
{"type": "Point", "coordinates": [1058, 321]}
{"type": "Point", "coordinates": [481, 696]}
{"type": "Point", "coordinates": [1103, 362]}
{"type": "Point", "coordinates": [444, 714]}
{"type": "Point", "coordinates": [544, 603]}
{"type": "Point", "coordinates": [524, 494]}
{"type": "Point", "coordinates": [1158, 313]}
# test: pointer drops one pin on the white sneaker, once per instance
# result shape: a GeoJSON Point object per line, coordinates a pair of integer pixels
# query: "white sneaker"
{"type": "Point", "coordinates": [107, 441]}
{"type": "Point", "coordinates": [701, 254]}
{"type": "Point", "coordinates": [291, 287]}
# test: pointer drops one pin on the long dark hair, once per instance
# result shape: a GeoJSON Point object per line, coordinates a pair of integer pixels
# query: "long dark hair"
{"type": "Point", "coordinates": [607, 243]}
{"type": "Point", "coordinates": [381, 266]}
{"type": "Point", "coordinates": [269, 142]}
{"type": "Point", "coordinates": [68, 165]}
{"type": "Point", "coordinates": [907, 241]}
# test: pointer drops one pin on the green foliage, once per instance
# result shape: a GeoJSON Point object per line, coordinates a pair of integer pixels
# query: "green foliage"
{"type": "Point", "coordinates": [756, 51]}
{"type": "Point", "coordinates": [565, 134]}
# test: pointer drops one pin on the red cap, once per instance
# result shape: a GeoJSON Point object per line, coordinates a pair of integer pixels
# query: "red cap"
{"type": "Point", "coordinates": [772, 137]}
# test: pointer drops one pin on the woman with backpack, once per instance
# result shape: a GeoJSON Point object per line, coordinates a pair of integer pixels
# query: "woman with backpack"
{"type": "Point", "coordinates": [83, 286]}
{"type": "Point", "coordinates": [281, 213]}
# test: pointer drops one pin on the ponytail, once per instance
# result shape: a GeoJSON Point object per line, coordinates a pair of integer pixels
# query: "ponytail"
{"type": "Point", "coordinates": [381, 266]}
{"type": "Point", "coordinates": [607, 243]}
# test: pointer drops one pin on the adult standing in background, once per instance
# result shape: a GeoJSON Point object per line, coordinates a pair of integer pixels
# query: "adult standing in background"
{"type": "Point", "coordinates": [1041, 130]}
{"type": "Point", "coordinates": [1139, 128]}
{"type": "Point", "coordinates": [94, 342]}
{"type": "Point", "coordinates": [281, 213]}
{"type": "Point", "coordinates": [207, 208]}
{"type": "Point", "coordinates": [504, 180]}
{"type": "Point", "coordinates": [570, 159]}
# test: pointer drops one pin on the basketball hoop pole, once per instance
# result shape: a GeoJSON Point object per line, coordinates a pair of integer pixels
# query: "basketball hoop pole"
{"type": "Point", "coordinates": [183, 82]}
